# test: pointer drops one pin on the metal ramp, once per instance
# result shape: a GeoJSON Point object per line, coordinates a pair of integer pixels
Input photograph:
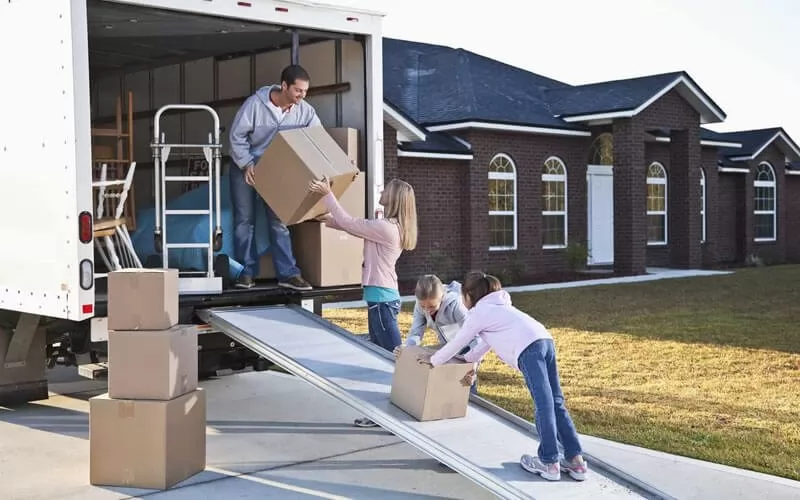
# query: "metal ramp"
{"type": "Point", "coordinates": [484, 446]}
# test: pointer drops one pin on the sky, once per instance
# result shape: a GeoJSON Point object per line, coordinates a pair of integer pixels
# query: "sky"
{"type": "Point", "coordinates": [742, 53]}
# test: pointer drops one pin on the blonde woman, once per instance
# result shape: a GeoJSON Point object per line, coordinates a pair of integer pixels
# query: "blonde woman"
{"type": "Point", "coordinates": [384, 241]}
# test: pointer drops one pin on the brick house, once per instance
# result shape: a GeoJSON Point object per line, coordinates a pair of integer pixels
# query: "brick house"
{"type": "Point", "coordinates": [513, 169]}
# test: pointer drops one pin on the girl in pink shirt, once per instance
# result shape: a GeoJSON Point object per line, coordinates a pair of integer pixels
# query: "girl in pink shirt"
{"type": "Point", "coordinates": [525, 344]}
{"type": "Point", "coordinates": [384, 241]}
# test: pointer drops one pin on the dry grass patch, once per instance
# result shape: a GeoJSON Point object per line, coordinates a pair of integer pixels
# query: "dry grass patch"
{"type": "Point", "coordinates": [702, 367]}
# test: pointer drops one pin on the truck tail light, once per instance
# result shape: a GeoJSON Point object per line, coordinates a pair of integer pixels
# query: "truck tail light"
{"type": "Point", "coordinates": [85, 229]}
{"type": "Point", "coordinates": [87, 274]}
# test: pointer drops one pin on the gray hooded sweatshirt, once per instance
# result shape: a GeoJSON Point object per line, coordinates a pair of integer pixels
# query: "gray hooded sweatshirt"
{"type": "Point", "coordinates": [257, 122]}
{"type": "Point", "coordinates": [449, 318]}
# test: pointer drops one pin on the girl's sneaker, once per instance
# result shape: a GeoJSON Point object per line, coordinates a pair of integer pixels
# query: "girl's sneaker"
{"type": "Point", "coordinates": [551, 472]}
{"type": "Point", "coordinates": [576, 468]}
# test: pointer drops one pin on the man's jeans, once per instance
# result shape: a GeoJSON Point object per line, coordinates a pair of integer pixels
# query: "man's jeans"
{"type": "Point", "coordinates": [538, 365]}
{"type": "Point", "coordinates": [382, 324]}
{"type": "Point", "coordinates": [246, 201]}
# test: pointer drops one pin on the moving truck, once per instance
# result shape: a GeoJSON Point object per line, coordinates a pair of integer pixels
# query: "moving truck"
{"type": "Point", "coordinates": [82, 85]}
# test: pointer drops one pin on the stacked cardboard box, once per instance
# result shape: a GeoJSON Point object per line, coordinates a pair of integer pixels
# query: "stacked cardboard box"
{"type": "Point", "coordinates": [149, 429]}
{"type": "Point", "coordinates": [327, 257]}
{"type": "Point", "coordinates": [426, 392]}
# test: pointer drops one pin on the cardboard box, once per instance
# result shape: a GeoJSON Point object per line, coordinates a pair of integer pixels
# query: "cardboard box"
{"type": "Point", "coordinates": [146, 444]}
{"type": "Point", "coordinates": [142, 299]}
{"type": "Point", "coordinates": [429, 393]}
{"type": "Point", "coordinates": [292, 160]}
{"type": "Point", "coordinates": [354, 200]}
{"type": "Point", "coordinates": [326, 256]}
{"type": "Point", "coordinates": [152, 364]}
{"type": "Point", "coordinates": [266, 269]}
{"type": "Point", "coordinates": [347, 139]}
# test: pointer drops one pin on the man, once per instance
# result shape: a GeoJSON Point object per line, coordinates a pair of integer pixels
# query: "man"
{"type": "Point", "coordinates": [269, 110]}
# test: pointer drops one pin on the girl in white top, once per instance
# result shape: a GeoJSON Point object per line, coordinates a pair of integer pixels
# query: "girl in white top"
{"type": "Point", "coordinates": [525, 344]}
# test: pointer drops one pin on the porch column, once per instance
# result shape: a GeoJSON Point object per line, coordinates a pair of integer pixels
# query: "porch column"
{"type": "Point", "coordinates": [630, 190]}
{"type": "Point", "coordinates": [683, 194]}
{"type": "Point", "coordinates": [746, 219]}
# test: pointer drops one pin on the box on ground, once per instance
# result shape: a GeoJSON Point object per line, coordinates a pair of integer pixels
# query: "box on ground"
{"type": "Point", "coordinates": [326, 256]}
{"type": "Point", "coordinates": [146, 444]}
{"type": "Point", "coordinates": [142, 299]}
{"type": "Point", "coordinates": [426, 392]}
{"type": "Point", "coordinates": [152, 364]}
{"type": "Point", "coordinates": [293, 159]}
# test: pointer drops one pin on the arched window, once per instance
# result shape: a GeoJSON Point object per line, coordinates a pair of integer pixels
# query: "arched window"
{"type": "Point", "coordinates": [703, 204]}
{"type": "Point", "coordinates": [603, 150]}
{"type": "Point", "coordinates": [656, 204]}
{"type": "Point", "coordinates": [765, 203]}
{"type": "Point", "coordinates": [502, 203]}
{"type": "Point", "coordinates": [554, 203]}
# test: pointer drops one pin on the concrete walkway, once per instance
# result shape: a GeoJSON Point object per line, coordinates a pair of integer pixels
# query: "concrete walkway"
{"type": "Point", "coordinates": [653, 274]}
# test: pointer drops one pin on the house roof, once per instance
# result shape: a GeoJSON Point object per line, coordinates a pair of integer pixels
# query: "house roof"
{"type": "Point", "coordinates": [754, 142]}
{"type": "Point", "coordinates": [628, 97]}
{"type": "Point", "coordinates": [440, 87]}
{"type": "Point", "coordinates": [707, 138]}
{"type": "Point", "coordinates": [438, 143]}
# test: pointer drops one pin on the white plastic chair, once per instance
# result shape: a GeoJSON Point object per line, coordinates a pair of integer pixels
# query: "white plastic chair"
{"type": "Point", "coordinates": [113, 231]}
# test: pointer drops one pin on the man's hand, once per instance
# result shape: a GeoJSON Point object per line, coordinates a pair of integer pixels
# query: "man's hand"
{"type": "Point", "coordinates": [250, 175]}
{"type": "Point", "coordinates": [468, 379]}
{"type": "Point", "coordinates": [322, 187]}
{"type": "Point", "coordinates": [397, 351]}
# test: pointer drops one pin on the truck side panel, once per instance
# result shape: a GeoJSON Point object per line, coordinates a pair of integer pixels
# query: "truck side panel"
{"type": "Point", "coordinates": [45, 170]}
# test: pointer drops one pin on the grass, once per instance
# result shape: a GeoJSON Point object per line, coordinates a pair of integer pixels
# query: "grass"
{"type": "Point", "coordinates": [705, 367]}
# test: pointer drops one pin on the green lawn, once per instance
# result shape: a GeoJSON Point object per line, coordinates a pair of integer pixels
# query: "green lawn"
{"type": "Point", "coordinates": [705, 367]}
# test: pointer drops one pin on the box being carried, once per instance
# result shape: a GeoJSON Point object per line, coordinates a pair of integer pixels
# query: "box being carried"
{"type": "Point", "coordinates": [426, 392]}
{"type": "Point", "coordinates": [293, 159]}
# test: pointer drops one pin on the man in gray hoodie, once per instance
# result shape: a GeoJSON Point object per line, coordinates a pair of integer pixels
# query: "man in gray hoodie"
{"type": "Point", "coordinates": [271, 109]}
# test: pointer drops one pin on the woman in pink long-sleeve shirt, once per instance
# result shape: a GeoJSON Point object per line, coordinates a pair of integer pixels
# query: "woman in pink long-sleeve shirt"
{"type": "Point", "coordinates": [525, 344]}
{"type": "Point", "coordinates": [384, 241]}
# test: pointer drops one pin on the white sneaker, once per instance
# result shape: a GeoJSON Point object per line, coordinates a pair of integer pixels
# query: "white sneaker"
{"type": "Point", "coordinates": [551, 472]}
{"type": "Point", "coordinates": [576, 468]}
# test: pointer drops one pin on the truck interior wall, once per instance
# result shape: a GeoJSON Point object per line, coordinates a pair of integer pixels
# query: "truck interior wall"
{"type": "Point", "coordinates": [213, 79]}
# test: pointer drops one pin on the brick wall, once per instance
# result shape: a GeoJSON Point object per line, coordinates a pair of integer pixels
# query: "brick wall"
{"type": "Point", "coordinates": [729, 219]}
{"type": "Point", "coordinates": [710, 247]}
{"type": "Point", "coordinates": [438, 186]}
{"type": "Point", "coordinates": [770, 252]}
{"type": "Point", "coordinates": [792, 202]}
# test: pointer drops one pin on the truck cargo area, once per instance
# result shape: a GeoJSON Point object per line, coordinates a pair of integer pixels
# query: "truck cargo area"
{"type": "Point", "coordinates": [142, 58]}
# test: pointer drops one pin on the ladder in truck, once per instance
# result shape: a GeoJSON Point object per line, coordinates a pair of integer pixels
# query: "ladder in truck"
{"type": "Point", "coordinates": [485, 445]}
{"type": "Point", "coordinates": [190, 282]}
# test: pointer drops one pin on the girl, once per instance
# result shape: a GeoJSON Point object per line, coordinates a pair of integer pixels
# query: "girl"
{"type": "Point", "coordinates": [525, 344]}
{"type": "Point", "coordinates": [440, 309]}
{"type": "Point", "coordinates": [384, 241]}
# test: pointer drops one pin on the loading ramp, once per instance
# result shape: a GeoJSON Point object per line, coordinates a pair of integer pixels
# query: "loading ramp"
{"type": "Point", "coordinates": [484, 446]}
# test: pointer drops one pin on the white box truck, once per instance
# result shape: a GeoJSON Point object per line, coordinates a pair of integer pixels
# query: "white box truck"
{"type": "Point", "coordinates": [67, 63]}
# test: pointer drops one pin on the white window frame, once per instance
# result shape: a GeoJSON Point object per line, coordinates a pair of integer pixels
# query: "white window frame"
{"type": "Point", "coordinates": [664, 213]}
{"type": "Point", "coordinates": [703, 204]}
{"type": "Point", "coordinates": [774, 212]}
{"type": "Point", "coordinates": [512, 176]}
{"type": "Point", "coordinates": [558, 178]}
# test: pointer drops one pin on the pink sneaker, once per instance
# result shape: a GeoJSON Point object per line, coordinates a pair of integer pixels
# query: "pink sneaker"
{"type": "Point", "coordinates": [576, 468]}
{"type": "Point", "coordinates": [551, 472]}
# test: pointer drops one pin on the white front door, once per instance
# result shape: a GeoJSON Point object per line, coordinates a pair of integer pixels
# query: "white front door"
{"type": "Point", "coordinates": [600, 210]}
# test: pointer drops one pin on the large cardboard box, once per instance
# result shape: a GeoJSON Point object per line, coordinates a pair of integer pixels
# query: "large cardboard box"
{"type": "Point", "coordinates": [326, 256]}
{"type": "Point", "coordinates": [354, 200]}
{"type": "Point", "coordinates": [292, 160]}
{"type": "Point", "coordinates": [426, 392]}
{"type": "Point", "coordinates": [146, 444]}
{"type": "Point", "coordinates": [347, 139]}
{"type": "Point", "coordinates": [266, 269]}
{"type": "Point", "coordinates": [152, 364]}
{"type": "Point", "coordinates": [142, 299]}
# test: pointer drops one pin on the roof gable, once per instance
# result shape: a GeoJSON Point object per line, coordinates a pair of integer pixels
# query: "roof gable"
{"type": "Point", "coordinates": [754, 142]}
{"type": "Point", "coordinates": [629, 97]}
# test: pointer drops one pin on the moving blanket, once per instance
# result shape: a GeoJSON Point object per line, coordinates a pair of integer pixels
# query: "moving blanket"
{"type": "Point", "coordinates": [194, 229]}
